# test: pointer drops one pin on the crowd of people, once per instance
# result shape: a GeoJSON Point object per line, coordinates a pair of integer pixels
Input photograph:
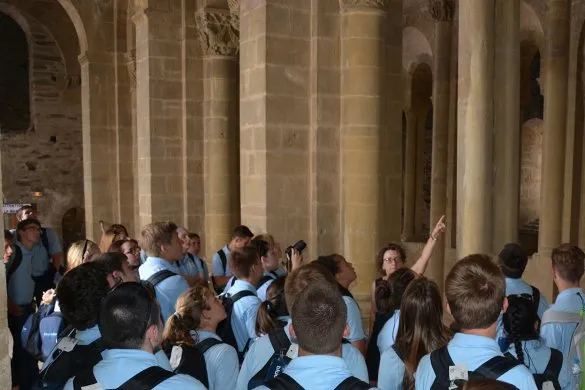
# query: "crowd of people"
{"type": "Point", "coordinates": [148, 313]}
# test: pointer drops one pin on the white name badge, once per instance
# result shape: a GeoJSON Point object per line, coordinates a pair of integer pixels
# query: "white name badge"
{"type": "Point", "coordinates": [293, 351]}
{"type": "Point", "coordinates": [458, 372]}
{"type": "Point", "coordinates": [548, 386]}
{"type": "Point", "coordinates": [66, 344]}
{"type": "Point", "coordinates": [176, 356]}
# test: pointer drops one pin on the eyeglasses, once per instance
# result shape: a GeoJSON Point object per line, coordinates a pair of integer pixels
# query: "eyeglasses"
{"type": "Point", "coordinates": [133, 251]}
{"type": "Point", "coordinates": [395, 261]}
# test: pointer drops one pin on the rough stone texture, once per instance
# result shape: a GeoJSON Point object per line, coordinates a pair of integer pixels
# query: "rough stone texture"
{"type": "Point", "coordinates": [47, 159]}
{"type": "Point", "coordinates": [530, 176]}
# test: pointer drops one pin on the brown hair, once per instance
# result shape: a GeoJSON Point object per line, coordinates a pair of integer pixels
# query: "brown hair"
{"type": "Point", "coordinates": [188, 310]}
{"type": "Point", "coordinates": [568, 260]}
{"type": "Point", "coordinates": [242, 260]}
{"type": "Point", "coordinates": [266, 237]}
{"type": "Point", "coordinates": [114, 233]}
{"type": "Point", "coordinates": [304, 276]}
{"type": "Point", "coordinates": [117, 246]}
{"type": "Point", "coordinates": [155, 235]}
{"type": "Point", "coordinates": [389, 293]}
{"type": "Point", "coordinates": [475, 290]}
{"type": "Point", "coordinates": [273, 307]}
{"type": "Point", "coordinates": [420, 328]}
{"type": "Point", "coordinates": [388, 247]}
{"type": "Point", "coordinates": [319, 316]}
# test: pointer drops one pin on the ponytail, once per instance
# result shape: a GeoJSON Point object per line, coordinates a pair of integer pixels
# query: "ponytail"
{"type": "Point", "coordinates": [187, 318]}
{"type": "Point", "coordinates": [519, 321]}
{"type": "Point", "coordinates": [264, 320]}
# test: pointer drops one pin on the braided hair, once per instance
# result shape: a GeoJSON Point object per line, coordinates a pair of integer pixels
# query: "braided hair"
{"type": "Point", "coordinates": [519, 321]}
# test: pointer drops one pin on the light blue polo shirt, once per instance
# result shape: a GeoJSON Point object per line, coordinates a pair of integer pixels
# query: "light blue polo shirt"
{"type": "Point", "coordinates": [217, 265]}
{"type": "Point", "coordinates": [354, 320]}
{"type": "Point", "coordinates": [187, 266]}
{"type": "Point", "coordinates": [317, 372]}
{"type": "Point", "coordinates": [221, 362]}
{"type": "Point", "coordinates": [559, 336]}
{"type": "Point", "coordinates": [473, 351]}
{"type": "Point", "coordinates": [519, 287]}
{"type": "Point", "coordinates": [275, 274]}
{"type": "Point", "coordinates": [88, 336]}
{"type": "Point", "coordinates": [391, 371]}
{"type": "Point", "coordinates": [201, 267]}
{"type": "Point", "coordinates": [387, 336]}
{"type": "Point", "coordinates": [244, 314]}
{"type": "Point", "coordinates": [536, 358]}
{"type": "Point", "coordinates": [119, 365]}
{"type": "Point", "coordinates": [167, 291]}
{"type": "Point", "coordinates": [21, 286]}
{"type": "Point", "coordinates": [42, 259]}
{"type": "Point", "coordinates": [261, 352]}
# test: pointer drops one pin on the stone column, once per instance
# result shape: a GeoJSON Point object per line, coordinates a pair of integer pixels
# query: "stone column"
{"type": "Point", "coordinates": [362, 121]}
{"type": "Point", "coordinates": [555, 120]}
{"type": "Point", "coordinates": [442, 12]}
{"type": "Point", "coordinates": [159, 110]}
{"type": "Point", "coordinates": [99, 140]}
{"type": "Point", "coordinates": [220, 44]}
{"type": "Point", "coordinates": [506, 124]}
{"type": "Point", "coordinates": [475, 124]}
{"type": "Point", "coordinates": [410, 176]}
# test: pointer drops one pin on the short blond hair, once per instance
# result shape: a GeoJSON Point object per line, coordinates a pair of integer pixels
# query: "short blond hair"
{"type": "Point", "coordinates": [155, 235]}
{"type": "Point", "coordinates": [298, 281]}
{"type": "Point", "coordinates": [76, 254]}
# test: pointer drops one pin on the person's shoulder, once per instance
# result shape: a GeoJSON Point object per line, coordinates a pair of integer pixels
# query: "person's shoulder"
{"type": "Point", "coordinates": [519, 376]}
{"type": "Point", "coordinates": [225, 351]}
{"type": "Point", "coordinates": [349, 351]}
{"type": "Point", "coordinates": [181, 381]}
{"type": "Point", "coordinates": [424, 364]}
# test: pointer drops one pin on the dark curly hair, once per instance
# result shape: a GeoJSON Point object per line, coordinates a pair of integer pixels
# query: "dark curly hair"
{"type": "Point", "coordinates": [384, 249]}
{"type": "Point", "coordinates": [80, 294]}
{"type": "Point", "coordinates": [519, 321]}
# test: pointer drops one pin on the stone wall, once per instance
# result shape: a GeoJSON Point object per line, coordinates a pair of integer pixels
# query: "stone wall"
{"type": "Point", "coordinates": [530, 172]}
{"type": "Point", "coordinates": [47, 159]}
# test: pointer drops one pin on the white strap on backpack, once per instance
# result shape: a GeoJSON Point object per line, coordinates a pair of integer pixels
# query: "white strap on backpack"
{"type": "Point", "coordinates": [561, 317]}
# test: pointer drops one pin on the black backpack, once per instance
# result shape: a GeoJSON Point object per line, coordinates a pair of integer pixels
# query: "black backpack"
{"type": "Point", "coordinates": [145, 380]}
{"type": "Point", "coordinates": [223, 259]}
{"type": "Point", "coordinates": [280, 344]}
{"type": "Point", "coordinates": [66, 365]}
{"type": "Point", "coordinates": [224, 328]}
{"type": "Point", "coordinates": [551, 372]}
{"type": "Point", "coordinates": [285, 382]}
{"type": "Point", "coordinates": [193, 360]}
{"type": "Point", "coordinates": [492, 369]}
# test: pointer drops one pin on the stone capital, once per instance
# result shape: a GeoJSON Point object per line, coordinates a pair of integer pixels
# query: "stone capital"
{"type": "Point", "coordinates": [442, 10]}
{"type": "Point", "coordinates": [217, 33]}
{"type": "Point", "coordinates": [234, 6]}
{"type": "Point", "coordinates": [347, 5]}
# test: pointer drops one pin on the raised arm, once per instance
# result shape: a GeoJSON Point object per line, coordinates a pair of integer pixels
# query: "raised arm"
{"type": "Point", "coordinates": [423, 261]}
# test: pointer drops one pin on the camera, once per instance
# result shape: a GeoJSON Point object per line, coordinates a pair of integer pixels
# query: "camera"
{"type": "Point", "coordinates": [299, 246]}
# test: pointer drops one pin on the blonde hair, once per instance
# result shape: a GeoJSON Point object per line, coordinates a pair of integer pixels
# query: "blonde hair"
{"type": "Point", "coordinates": [114, 233]}
{"type": "Point", "coordinates": [76, 252]}
{"type": "Point", "coordinates": [187, 317]}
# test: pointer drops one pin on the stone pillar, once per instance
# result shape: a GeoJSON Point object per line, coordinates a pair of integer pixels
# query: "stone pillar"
{"type": "Point", "coordinates": [442, 12]}
{"type": "Point", "coordinates": [475, 124]}
{"type": "Point", "coordinates": [99, 141]}
{"type": "Point", "coordinates": [410, 176]}
{"type": "Point", "coordinates": [5, 336]}
{"type": "Point", "coordinates": [159, 110]}
{"type": "Point", "coordinates": [362, 121]}
{"type": "Point", "coordinates": [506, 124]}
{"type": "Point", "coordinates": [220, 44]}
{"type": "Point", "coordinates": [553, 148]}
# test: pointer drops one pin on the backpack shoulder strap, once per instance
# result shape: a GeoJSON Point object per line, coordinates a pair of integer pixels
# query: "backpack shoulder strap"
{"type": "Point", "coordinates": [441, 361]}
{"type": "Point", "coordinates": [84, 379]}
{"type": "Point", "coordinates": [395, 349]}
{"type": "Point", "coordinates": [159, 276]}
{"type": "Point", "coordinates": [283, 382]}
{"type": "Point", "coordinates": [204, 345]}
{"type": "Point", "coordinates": [45, 241]}
{"type": "Point", "coordinates": [223, 259]}
{"type": "Point", "coordinates": [496, 367]}
{"type": "Point", "coordinates": [560, 317]}
{"type": "Point", "coordinates": [244, 293]}
{"type": "Point", "coordinates": [535, 297]}
{"type": "Point", "coordinates": [279, 340]}
{"type": "Point", "coordinates": [147, 379]}
{"type": "Point", "coordinates": [263, 281]}
{"type": "Point", "coordinates": [353, 383]}
{"type": "Point", "coordinates": [15, 263]}
{"type": "Point", "coordinates": [553, 368]}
